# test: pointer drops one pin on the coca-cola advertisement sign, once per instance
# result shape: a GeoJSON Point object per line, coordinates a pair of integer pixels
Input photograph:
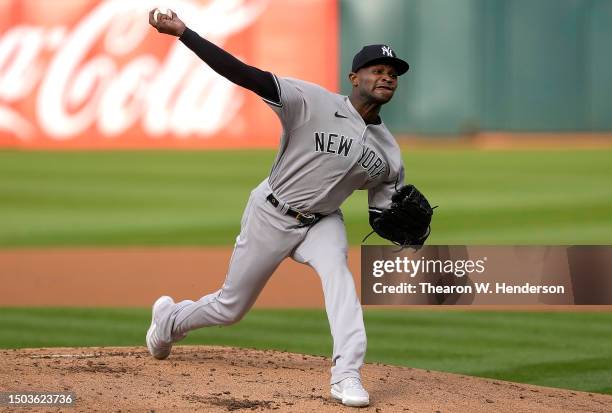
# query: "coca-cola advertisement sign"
{"type": "Point", "coordinates": [93, 74]}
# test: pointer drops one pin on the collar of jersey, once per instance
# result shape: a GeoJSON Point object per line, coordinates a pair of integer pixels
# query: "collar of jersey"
{"type": "Point", "coordinates": [354, 112]}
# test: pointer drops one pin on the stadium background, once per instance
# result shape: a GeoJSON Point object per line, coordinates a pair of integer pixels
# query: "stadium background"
{"type": "Point", "coordinates": [535, 74]}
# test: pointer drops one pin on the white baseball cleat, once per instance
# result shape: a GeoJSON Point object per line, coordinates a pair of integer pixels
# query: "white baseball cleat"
{"type": "Point", "coordinates": [158, 348]}
{"type": "Point", "coordinates": [350, 392]}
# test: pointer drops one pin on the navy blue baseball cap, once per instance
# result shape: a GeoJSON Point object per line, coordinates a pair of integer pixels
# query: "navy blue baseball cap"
{"type": "Point", "coordinates": [378, 53]}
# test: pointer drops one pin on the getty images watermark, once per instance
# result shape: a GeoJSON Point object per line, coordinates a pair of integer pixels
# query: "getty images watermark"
{"type": "Point", "coordinates": [495, 275]}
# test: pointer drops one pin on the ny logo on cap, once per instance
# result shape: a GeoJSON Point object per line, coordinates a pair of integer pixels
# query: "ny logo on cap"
{"type": "Point", "coordinates": [386, 50]}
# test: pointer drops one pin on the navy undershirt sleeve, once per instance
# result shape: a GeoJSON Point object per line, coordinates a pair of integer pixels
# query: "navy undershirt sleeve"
{"type": "Point", "coordinates": [249, 77]}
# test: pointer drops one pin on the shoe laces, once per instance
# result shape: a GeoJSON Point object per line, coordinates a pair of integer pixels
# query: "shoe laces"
{"type": "Point", "coordinates": [352, 383]}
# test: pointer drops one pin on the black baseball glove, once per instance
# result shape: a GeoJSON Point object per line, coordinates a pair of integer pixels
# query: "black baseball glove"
{"type": "Point", "coordinates": [407, 221]}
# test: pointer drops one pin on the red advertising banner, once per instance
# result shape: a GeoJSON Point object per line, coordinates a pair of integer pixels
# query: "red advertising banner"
{"type": "Point", "coordinates": [93, 74]}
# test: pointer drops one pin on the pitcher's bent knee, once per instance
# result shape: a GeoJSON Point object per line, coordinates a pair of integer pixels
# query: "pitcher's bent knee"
{"type": "Point", "coordinates": [229, 314]}
{"type": "Point", "coordinates": [231, 318]}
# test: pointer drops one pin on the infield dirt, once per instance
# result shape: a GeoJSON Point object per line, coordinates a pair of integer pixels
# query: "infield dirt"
{"type": "Point", "coordinates": [218, 379]}
{"type": "Point", "coordinates": [137, 276]}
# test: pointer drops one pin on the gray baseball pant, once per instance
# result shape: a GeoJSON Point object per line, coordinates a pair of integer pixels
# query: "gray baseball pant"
{"type": "Point", "coordinates": [266, 238]}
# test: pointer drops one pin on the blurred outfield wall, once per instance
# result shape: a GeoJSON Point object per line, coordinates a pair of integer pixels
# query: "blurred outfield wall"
{"type": "Point", "coordinates": [509, 65]}
{"type": "Point", "coordinates": [93, 74]}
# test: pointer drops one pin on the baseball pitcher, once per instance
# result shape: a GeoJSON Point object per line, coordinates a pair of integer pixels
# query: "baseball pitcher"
{"type": "Point", "coordinates": [331, 145]}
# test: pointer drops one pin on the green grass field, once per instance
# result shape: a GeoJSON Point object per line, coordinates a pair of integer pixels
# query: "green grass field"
{"type": "Point", "coordinates": [568, 350]}
{"type": "Point", "coordinates": [196, 198]}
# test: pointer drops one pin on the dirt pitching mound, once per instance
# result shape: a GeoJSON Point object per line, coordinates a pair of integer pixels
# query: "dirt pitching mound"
{"type": "Point", "coordinates": [221, 379]}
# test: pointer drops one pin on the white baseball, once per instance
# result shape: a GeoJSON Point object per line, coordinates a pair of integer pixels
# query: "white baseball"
{"type": "Point", "coordinates": [162, 10]}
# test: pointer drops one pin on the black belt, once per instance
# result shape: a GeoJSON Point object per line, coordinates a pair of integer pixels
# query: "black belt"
{"type": "Point", "coordinates": [305, 219]}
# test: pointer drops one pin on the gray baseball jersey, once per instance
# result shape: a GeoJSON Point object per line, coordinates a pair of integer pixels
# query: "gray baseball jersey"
{"type": "Point", "coordinates": [326, 152]}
